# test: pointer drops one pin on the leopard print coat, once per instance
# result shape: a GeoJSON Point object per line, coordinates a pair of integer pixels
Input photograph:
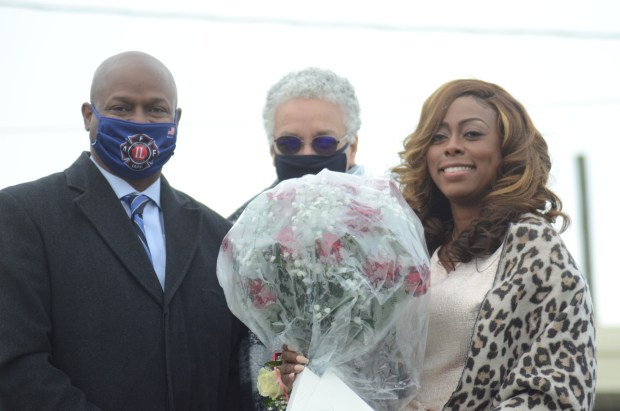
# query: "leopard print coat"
{"type": "Point", "coordinates": [533, 344]}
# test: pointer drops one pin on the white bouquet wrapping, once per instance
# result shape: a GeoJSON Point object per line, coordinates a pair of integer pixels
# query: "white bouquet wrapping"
{"type": "Point", "coordinates": [336, 266]}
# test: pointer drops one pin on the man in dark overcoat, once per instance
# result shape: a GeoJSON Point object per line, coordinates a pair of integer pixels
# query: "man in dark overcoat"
{"type": "Point", "coordinates": [108, 294]}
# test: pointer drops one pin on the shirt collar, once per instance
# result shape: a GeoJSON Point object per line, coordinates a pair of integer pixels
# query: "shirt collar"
{"type": "Point", "coordinates": [122, 187]}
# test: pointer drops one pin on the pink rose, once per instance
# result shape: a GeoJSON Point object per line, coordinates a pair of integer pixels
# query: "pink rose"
{"type": "Point", "coordinates": [382, 273]}
{"type": "Point", "coordinates": [418, 282]}
{"type": "Point", "coordinates": [260, 295]}
{"type": "Point", "coordinates": [362, 218]}
{"type": "Point", "coordinates": [289, 244]}
{"type": "Point", "coordinates": [329, 248]}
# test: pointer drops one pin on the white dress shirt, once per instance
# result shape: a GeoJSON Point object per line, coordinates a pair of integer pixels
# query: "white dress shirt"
{"type": "Point", "coordinates": [152, 216]}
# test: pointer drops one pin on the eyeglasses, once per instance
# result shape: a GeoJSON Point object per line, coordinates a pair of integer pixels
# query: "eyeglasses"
{"type": "Point", "coordinates": [322, 145]}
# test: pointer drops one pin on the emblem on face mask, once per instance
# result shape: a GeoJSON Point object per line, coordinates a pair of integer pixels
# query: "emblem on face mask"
{"type": "Point", "coordinates": [139, 151]}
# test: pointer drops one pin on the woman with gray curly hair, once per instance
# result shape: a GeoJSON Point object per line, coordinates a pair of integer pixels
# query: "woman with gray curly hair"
{"type": "Point", "coordinates": [311, 119]}
{"type": "Point", "coordinates": [313, 84]}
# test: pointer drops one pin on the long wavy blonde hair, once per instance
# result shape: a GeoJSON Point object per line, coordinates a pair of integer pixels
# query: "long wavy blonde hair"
{"type": "Point", "coordinates": [520, 186]}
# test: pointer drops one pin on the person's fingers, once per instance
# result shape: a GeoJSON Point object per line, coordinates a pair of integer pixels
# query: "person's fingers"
{"type": "Point", "coordinates": [288, 380]}
{"type": "Point", "coordinates": [291, 368]}
{"type": "Point", "coordinates": [292, 364]}
{"type": "Point", "coordinates": [289, 356]}
{"type": "Point", "coordinates": [292, 356]}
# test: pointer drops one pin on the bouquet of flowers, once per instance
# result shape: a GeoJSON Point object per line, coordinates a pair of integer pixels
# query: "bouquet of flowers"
{"type": "Point", "coordinates": [336, 266]}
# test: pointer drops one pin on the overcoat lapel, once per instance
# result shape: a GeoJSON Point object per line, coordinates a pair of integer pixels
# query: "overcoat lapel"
{"type": "Point", "coordinates": [182, 223]}
{"type": "Point", "coordinates": [99, 204]}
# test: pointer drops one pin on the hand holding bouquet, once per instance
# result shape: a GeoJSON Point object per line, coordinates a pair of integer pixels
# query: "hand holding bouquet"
{"type": "Point", "coordinates": [335, 265]}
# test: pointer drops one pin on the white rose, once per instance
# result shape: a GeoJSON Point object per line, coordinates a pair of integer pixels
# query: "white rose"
{"type": "Point", "coordinates": [267, 383]}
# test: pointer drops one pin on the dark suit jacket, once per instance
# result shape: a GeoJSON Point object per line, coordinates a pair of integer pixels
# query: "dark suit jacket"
{"type": "Point", "coordinates": [84, 323]}
{"type": "Point", "coordinates": [235, 216]}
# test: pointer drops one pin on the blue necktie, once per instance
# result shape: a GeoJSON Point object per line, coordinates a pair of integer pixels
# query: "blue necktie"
{"type": "Point", "coordinates": [136, 203]}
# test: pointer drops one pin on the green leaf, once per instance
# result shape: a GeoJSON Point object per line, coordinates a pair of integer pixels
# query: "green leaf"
{"type": "Point", "coordinates": [274, 363]}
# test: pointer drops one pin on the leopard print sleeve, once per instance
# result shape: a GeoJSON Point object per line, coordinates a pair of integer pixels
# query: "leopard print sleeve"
{"type": "Point", "coordinates": [533, 345]}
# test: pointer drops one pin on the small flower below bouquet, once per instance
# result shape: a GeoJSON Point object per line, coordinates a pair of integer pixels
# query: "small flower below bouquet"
{"type": "Point", "coordinates": [336, 265]}
{"type": "Point", "coordinates": [271, 388]}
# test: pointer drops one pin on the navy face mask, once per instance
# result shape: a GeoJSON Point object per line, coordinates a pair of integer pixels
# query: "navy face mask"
{"type": "Point", "coordinates": [134, 150]}
{"type": "Point", "coordinates": [298, 166]}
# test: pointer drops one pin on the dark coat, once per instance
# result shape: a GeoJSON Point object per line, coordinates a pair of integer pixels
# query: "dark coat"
{"type": "Point", "coordinates": [84, 323]}
{"type": "Point", "coordinates": [235, 216]}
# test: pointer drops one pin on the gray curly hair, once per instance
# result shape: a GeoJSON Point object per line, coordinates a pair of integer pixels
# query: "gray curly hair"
{"type": "Point", "coordinates": [314, 83]}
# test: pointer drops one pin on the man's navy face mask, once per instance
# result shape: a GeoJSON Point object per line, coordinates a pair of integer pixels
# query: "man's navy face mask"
{"type": "Point", "coordinates": [134, 150]}
{"type": "Point", "coordinates": [298, 166]}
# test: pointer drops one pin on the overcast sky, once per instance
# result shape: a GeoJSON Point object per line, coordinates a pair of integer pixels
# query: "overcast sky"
{"type": "Point", "coordinates": [561, 59]}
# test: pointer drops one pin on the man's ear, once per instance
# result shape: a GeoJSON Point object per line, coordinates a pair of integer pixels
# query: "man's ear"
{"type": "Point", "coordinates": [87, 114]}
{"type": "Point", "coordinates": [178, 114]}
{"type": "Point", "coordinates": [272, 152]}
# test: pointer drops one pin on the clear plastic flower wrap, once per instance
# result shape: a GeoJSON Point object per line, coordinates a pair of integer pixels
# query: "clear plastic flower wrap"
{"type": "Point", "coordinates": [336, 266]}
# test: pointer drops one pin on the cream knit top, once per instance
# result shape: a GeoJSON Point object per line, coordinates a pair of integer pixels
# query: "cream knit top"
{"type": "Point", "coordinates": [454, 305]}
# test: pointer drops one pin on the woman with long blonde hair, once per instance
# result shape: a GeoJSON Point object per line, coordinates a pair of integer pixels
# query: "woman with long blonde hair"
{"type": "Point", "coordinates": [511, 321]}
